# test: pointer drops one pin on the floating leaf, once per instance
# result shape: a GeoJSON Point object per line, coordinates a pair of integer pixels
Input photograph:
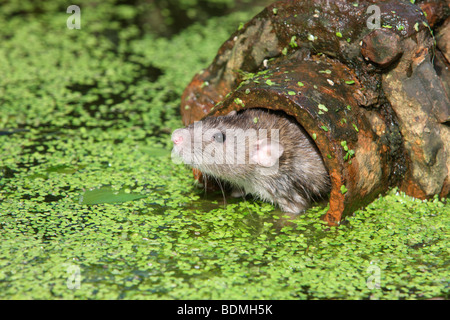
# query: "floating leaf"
{"type": "Point", "coordinates": [108, 195]}
{"type": "Point", "coordinates": [64, 169]}
{"type": "Point", "coordinates": [156, 152]}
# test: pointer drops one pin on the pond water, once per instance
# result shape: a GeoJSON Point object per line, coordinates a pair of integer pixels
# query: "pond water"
{"type": "Point", "coordinates": [92, 207]}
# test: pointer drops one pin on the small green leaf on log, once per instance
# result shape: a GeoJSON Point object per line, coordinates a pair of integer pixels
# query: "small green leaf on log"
{"type": "Point", "coordinates": [239, 102]}
{"type": "Point", "coordinates": [293, 42]}
{"type": "Point", "coordinates": [322, 107]}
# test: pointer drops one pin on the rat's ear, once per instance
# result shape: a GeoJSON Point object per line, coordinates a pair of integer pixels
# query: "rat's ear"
{"type": "Point", "coordinates": [232, 113]}
{"type": "Point", "coordinates": [266, 152]}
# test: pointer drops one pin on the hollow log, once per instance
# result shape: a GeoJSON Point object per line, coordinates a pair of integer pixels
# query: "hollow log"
{"type": "Point", "coordinates": [374, 97]}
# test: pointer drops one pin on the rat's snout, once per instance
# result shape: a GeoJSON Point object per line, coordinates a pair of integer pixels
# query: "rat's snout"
{"type": "Point", "coordinates": [178, 136]}
{"type": "Point", "coordinates": [177, 139]}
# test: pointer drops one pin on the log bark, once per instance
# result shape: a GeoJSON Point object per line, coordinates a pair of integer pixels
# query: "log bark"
{"type": "Point", "coordinates": [385, 89]}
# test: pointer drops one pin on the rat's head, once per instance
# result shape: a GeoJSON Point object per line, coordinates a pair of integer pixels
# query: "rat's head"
{"type": "Point", "coordinates": [230, 147]}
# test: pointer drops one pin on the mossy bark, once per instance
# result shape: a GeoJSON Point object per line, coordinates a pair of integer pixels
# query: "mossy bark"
{"type": "Point", "coordinates": [383, 95]}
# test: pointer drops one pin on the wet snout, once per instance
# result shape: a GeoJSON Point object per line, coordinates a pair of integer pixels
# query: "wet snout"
{"type": "Point", "coordinates": [179, 135]}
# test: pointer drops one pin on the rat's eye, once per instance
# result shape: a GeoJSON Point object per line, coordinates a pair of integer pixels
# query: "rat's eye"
{"type": "Point", "coordinates": [219, 137]}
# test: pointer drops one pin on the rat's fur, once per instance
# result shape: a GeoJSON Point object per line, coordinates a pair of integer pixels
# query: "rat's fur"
{"type": "Point", "coordinates": [287, 170]}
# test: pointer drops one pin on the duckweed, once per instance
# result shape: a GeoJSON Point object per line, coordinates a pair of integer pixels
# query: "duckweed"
{"type": "Point", "coordinates": [238, 101]}
{"type": "Point", "coordinates": [322, 107]}
{"type": "Point", "coordinates": [416, 26]}
{"type": "Point", "coordinates": [93, 207]}
{"type": "Point", "coordinates": [293, 42]}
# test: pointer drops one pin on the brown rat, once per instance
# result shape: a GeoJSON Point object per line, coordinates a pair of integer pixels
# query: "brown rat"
{"type": "Point", "coordinates": [257, 151]}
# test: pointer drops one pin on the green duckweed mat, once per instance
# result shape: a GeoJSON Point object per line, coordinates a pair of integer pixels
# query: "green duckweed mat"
{"type": "Point", "coordinates": [92, 207]}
